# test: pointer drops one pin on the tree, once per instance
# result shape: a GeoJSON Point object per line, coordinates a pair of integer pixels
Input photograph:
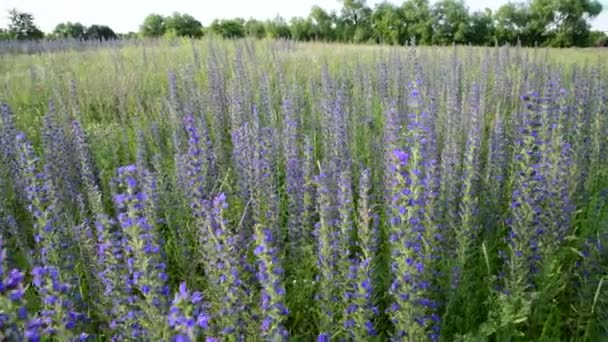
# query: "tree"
{"type": "Point", "coordinates": [450, 22]}
{"type": "Point", "coordinates": [69, 30]}
{"type": "Point", "coordinates": [511, 20]}
{"type": "Point", "coordinates": [302, 29]}
{"type": "Point", "coordinates": [323, 24]}
{"type": "Point", "coordinates": [481, 30]}
{"type": "Point", "coordinates": [230, 28]}
{"type": "Point", "coordinates": [22, 26]}
{"type": "Point", "coordinates": [4, 34]}
{"type": "Point", "coordinates": [354, 24]}
{"type": "Point", "coordinates": [418, 21]}
{"type": "Point", "coordinates": [597, 38]}
{"type": "Point", "coordinates": [100, 32]}
{"type": "Point", "coordinates": [153, 26]}
{"type": "Point", "coordinates": [560, 23]}
{"type": "Point", "coordinates": [538, 22]}
{"type": "Point", "coordinates": [388, 25]}
{"type": "Point", "coordinates": [128, 35]}
{"type": "Point", "coordinates": [255, 28]}
{"type": "Point", "coordinates": [183, 25]}
{"type": "Point", "coordinates": [570, 18]}
{"type": "Point", "coordinates": [278, 28]}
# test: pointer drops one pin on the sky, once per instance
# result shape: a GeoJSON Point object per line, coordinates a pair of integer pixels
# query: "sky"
{"type": "Point", "coordinates": [126, 15]}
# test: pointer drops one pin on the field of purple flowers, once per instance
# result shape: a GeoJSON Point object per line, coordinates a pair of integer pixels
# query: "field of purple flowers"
{"type": "Point", "coordinates": [279, 191]}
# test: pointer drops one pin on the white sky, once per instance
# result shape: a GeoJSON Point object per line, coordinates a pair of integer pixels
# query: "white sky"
{"type": "Point", "coordinates": [127, 15]}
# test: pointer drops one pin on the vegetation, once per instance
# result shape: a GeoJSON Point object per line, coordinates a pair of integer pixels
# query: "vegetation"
{"type": "Point", "coordinates": [555, 23]}
{"type": "Point", "coordinates": [69, 30]}
{"type": "Point", "coordinates": [22, 26]}
{"type": "Point", "coordinates": [229, 190]}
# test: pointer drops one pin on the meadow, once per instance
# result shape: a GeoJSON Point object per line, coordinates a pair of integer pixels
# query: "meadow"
{"type": "Point", "coordinates": [244, 190]}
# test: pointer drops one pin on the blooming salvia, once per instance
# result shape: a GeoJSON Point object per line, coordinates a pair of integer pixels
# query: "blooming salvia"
{"type": "Point", "coordinates": [271, 276]}
{"type": "Point", "coordinates": [191, 166]}
{"type": "Point", "coordinates": [361, 306]}
{"type": "Point", "coordinates": [390, 142]}
{"type": "Point", "coordinates": [450, 162]}
{"type": "Point", "coordinates": [108, 270]}
{"type": "Point", "coordinates": [346, 265]}
{"type": "Point", "coordinates": [413, 233]}
{"type": "Point", "coordinates": [111, 272]}
{"type": "Point", "coordinates": [525, 223]}
{"type": "Point", "coordinates": [308, 201]}
{"type": "Point", "coordinates": [8, 151]}
{"type": "Point", "coordinates": [187, 316]}
{"type": "Point", "coordinates": [268, 235]}
{"type": "Point", "coordinates": [226, 287]}
{"type": "Point", "coordinates": [217, 105]}
{"type": "Point", "coordinates": [294, 181]}
{"type": "Point", "coordinates": [196, 164]}
{"type": "Point", "coordinates": [325, 234]}
{"type": "Point", "coordinates": [468, 206]}
{"type": "Point", "coordinates": [57, 155]}
{"type": "Point", "coordinates": [57, 317]}
{"type": "Point", "coordinates": [411, 304]}
{"type": "Point", "coordinates": [13, 310]}
{"type": "Point", "coordinates": [556, 159]}
{"type": "Point", "coordinates": [242, 157]}
{"type": "Point", "coordinates": [264, 189]}
{"type": "Point", "coordinates": [142, 253]}
{"type": "Point", "coordinates": [453, 168]}
{"type": "Point", "coordinates": [495, 178]}
{"type": "Point", "coordinates": [41, 202]}
{"type": "Point", "coordinates": [87, 175]}
{"type": "Point", "coordinates": [579, 131]}
{"type": "Point", "coordinates": [590, 282]}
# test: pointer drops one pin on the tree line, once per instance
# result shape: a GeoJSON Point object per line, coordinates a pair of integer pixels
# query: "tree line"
{"type": "Point", "coordinates": [555, 23]}
{"type": "Point", "coordinates": [23, 27]}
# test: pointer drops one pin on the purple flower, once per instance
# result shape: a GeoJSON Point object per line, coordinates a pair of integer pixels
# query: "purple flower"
{"type": "Point", "coordinates": [270, 278]}
{"type": "Point", "coordinates": [139, 244]}
{"type": "Point", "coordinates": [401, 156]}
{"type": "Point", "coordinates": [187, 315]}
{"type": "Point", "coordinates": [323, 337]}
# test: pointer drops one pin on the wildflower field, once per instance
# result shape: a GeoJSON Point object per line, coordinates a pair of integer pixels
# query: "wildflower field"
{"type": "Point", "coordinates": [277, 191]}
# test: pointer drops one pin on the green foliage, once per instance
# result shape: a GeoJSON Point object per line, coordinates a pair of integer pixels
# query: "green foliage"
{"type": "Point", "coordinates": [229, 28]}
{"type": "Point", "coordinates": [100, 32]}
{"type": "Point", "coordinates": [511, 20]}
{"type": "Point", "coordinates": [481, 30]}
{"type": "Point", "coordinates": [183, 25]}
{"type": "Point", "coordinates": [69, 30]}
{"type": "Point", "coordinates": [323, 24]}
{"type": "Point", "coordinates": [22, 26]}
{"type": "Point", "coordinates": [255, 28]}
{"type": "Point", "coordinates": [599, 39]}
{"type": "Point", "coordinates": [418, 20]}
{"type": "Point", "coordinates": [302, 29]}
{"type": "Point", "coordinates": [450, 22]}
{"type": "Point", "coordinates": [278, 28]}
{"type": "Point", "coordinates": [128, 35]}
{"type": "Point", "coordinates": [153, 26]}
{"type": "Point", "coordinates": [570, 18]}
{"type": "Point", "coordinates": [555, 23]}
{"type": "Point", "coordinates": [388, 24]}
{"type": "Point", "coordinates": [354, 24]}
{"type": "Point", "coordinates": [559, 23]}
